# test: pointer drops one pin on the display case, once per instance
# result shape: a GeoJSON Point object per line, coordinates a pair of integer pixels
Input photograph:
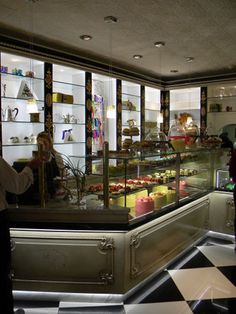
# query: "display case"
{"type": "Point", "coordinates": [103, 111]}
{"type": "Point", "coordinates": [152, 110]}
{"type": "Point", "coordinates": [131, 113]}
{"type": "Point", "coordinates": [128, 243]}
{"type": "Point", "coordinates": [223, 181]}
{"type": "Point", "coordinates": [221, 103]}
{"type": "Point", "coordinates": [22, 105]}
{"type": "Point", "coordinates": [151, 183]}
{"type": "Point", "coordinates": [185, 102]}
{"type": "Point", "coordinates": [69, 110]}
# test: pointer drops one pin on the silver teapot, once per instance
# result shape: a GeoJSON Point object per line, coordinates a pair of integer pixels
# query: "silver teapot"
{"type": "Point", "coordinates": [10, 114]}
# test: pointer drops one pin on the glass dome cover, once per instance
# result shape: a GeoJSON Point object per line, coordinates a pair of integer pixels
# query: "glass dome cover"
{"type": "Point", "coordinates": [156, 135]}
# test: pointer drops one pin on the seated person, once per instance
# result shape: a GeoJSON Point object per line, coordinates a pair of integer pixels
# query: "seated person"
{"type": "Point", "coordinates": [54, 162]}
{"type": "Point", "coordinates": [226, 142]}
{"type": "Point", "coordinates": [54, 168]}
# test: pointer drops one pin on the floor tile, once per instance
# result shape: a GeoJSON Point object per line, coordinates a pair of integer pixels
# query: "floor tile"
{"type": "Point", "coordinates": [229, 272]}
{"type": "Point", "coordinates": [164, 291]}
{"type": "Point", "coordinates": [192, 259]}
{"type": "Point", "coordinates": [221, 255]}
{"type": "Point", "coordinates": [203, 283]}
{"type": "Point", "coordinates": [214, 241]}
{"type": "Point", "coordinates": [180, 307]}
{"type": "Point", "coordinates": [215, 306]}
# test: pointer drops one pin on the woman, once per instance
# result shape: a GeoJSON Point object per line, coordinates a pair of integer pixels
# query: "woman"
{"type": "Point", "coordinates": [14, 182]}
{"type": "Point", "coordinates": [54, 163]}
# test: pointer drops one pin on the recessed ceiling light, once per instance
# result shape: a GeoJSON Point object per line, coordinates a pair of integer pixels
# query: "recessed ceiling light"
{"type": "Point", "coordinates": [159, 44]}
{"type": "Point", "coordinates": [137, 56]}
{"type": "Point", "coordinates": [174, 71]}
{"type": "Point", "coordinates": [86, 37]}
{"type": "Point", "coordinates": [189, 59]}
{"type": "Point", "coordinates": [110, 19]}
{"type": "Point", "coordinates": [15, 60]}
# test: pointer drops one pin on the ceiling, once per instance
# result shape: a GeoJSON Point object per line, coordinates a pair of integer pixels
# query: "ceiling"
{"type": "Point", "coordinates": [202, 29]}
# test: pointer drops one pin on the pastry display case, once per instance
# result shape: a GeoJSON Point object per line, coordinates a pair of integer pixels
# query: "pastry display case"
{"type": "Point", "coordinates": [151, 183]}
{"type": "Point", "coordinates": [132, 188]}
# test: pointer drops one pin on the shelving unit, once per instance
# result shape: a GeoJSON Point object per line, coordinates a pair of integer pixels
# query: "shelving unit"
{"type": "Point", "coordinates": [152, 109]}
{"type": "Point", "coordinates": [131, 107]}
{"type": "Point", "coordinates": [22, 79]}
{"type": "Point", "coordinates": [185, 100]}
{"type": "Point", "coordinates": [221, 103]}
{"type": "Point", "coordinates": [104, 111]}
{"type": "Point", "coordinates": [69, 110]}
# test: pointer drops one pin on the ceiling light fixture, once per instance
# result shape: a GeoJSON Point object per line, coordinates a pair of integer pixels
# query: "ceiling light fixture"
{"type": "Point", "coordinates": [174, 71]}
{"type": "Point", "coordinates": [189, 59]}
{"type": "Point", "coordinates": [110, 19]}
{"type": "Point", "coordinates": [159, 44]}
{"type": "Point", "coordinates": [137, 56]}
{"type": "Point", "coordinates": [86, 37]}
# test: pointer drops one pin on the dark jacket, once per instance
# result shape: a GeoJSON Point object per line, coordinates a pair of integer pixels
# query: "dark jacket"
{"type": "Point", "coordinates": [232, 165]}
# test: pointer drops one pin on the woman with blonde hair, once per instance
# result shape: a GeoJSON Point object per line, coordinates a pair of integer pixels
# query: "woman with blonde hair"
{"type": "Point", "coordinates": [44, 138]}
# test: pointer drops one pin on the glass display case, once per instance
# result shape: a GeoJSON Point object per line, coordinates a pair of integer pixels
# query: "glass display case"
{"type": "Point", "coordinates": [145, 183]}
{"type": "Point", "coordinates": [138, 187]}
{"type": "Point", "coordinates": [69, 110]}
{"type": "Point", "coordinates": [221, 108]}
{"type": "Point", "coordinates": [223, 181]}
{"type": "Point", "coordinates": [22, 105]}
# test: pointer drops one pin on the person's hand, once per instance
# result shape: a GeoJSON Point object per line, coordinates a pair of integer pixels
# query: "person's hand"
{"type": "Point", "coordinates": [35, 163]}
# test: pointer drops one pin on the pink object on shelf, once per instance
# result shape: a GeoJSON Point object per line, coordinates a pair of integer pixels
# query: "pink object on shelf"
{"type": "Point", "coordinates": [143, 205]}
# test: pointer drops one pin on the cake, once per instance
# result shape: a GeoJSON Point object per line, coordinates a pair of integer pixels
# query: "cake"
{"type": "Point", "coordinates": [159, 199]}
{"type": "Point", "coordinates": [143, 205]}
{"type": "Point", "coordinates": [171, 196]}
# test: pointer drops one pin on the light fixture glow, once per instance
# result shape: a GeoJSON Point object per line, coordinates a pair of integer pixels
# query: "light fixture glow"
{"type": "Point", "coordinates": [32, 105]}
{"type": "Point", "coordinates": [160, 118]}
{"type": "Point", "coordinates": [111, 112]}
{"type": "Point", "coordinates": [15, 60]}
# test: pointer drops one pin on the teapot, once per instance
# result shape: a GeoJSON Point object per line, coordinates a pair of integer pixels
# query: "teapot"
{"type": "Point", "coordinates": [10, 114]}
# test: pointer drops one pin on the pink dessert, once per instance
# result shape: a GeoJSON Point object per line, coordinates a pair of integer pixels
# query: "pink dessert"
{"type": "Point", "coordinates": [143, 205]}
{"type": "Point", "coordinates": [182, 184]}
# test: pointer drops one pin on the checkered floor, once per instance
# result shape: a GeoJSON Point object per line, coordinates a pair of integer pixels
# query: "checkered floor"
{"type": "Point", "coordinates": [203, 281]}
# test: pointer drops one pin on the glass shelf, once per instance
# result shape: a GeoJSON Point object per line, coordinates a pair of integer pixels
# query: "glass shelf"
{"type": "Point", "coordinates": [19, 144]}
{"type": "Point", "coordinates": [23, 122]}
{"type": "Point", "coordinates": [10, 76]}
{"type": "Point", "coordinates": [66, 104]}
{"type": "Point", "coordinates": [138, 111]}
{"type": "Point", "coordinates": [70, 84]}
{"type": "Point", "coordinates": [221, 97]}
{"type": "Point", "coordinates": [131, 95]}
{"type": "Point", "coordinates": [68, 123]}
{"type": "Point", "coordinates": [66, 143]}
{"type": "Point", "coordinates": [21, 99]}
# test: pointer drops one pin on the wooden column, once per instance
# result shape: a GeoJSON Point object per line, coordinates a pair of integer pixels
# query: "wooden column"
{"type": "Point", "coordinates": [119, 114]}
{"type": "Point", "coordinates": [88, 119]}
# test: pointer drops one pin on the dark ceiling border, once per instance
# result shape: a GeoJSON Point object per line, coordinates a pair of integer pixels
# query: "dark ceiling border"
{"type": "Point", "coordinates": [46, 53]}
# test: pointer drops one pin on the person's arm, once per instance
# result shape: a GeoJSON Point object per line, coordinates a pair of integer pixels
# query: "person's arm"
{"type": "Point", "coordinates": [15, 182]}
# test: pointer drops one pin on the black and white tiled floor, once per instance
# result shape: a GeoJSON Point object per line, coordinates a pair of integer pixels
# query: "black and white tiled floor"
{"type": "Point", "coordinates": [203, 281]}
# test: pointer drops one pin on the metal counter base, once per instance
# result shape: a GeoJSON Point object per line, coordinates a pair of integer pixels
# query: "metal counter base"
{"type": "Point", "coordinates": [68, 263]}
